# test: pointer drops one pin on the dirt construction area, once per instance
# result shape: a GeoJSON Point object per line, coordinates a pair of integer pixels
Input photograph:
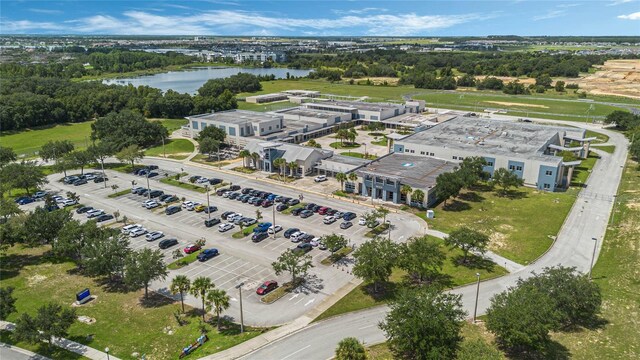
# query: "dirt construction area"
{"type": "Point", "coordinates": [615, 77]}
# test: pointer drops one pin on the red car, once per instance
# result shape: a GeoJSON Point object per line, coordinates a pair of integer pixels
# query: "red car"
{"type": "Point", "coordinates": [191, 248]}
{"type": "Point", "coordinates": [267, 287]}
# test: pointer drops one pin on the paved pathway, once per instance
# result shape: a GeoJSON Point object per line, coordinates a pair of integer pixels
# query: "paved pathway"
{"type": "Point", "coordinates": [10, 352]}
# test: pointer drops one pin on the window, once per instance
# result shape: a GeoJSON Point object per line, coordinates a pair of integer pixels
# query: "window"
{"type": "Point", "coordinates": [546, 186]}
{"type": "Point", "coordinates": [548, 172]}
{"type": "Point", "coordinates": [511, 167]}
{"type": "Point", "coordinates": [406, 150]}
{"type": "Point", "coordinates": [432, 154]}
{"type": "Point", "coordinates": [455, 157]}
{"type": "Point", "coordinates": [421, 152]}
{"type": "Point", "coordinates": [489, 163]}
{"type": "Point", "coordinates": [412, 151]}
{"type": "Point", "coordinates": [203, 125]}
{"type": "Point", "coordinates": [277, 126]}
{"type": "Point", "coordinates": [269, 127]}
{"type": "Point", "coordinates": [461, 158]}
{"type": "Point", "coordinates": [232, 131]}
{"type": "Point", "coordinates": [241, 131]}
{"type": "Point", "coordinates": [255, 128]}
{"type": "Point", "coordinates": [194, 125]}
{"type": "Point", "coordinates": [518, 168]}
{"type": "Point", "coordinates": [374, 117]}
{"type": "Point", "coordinates": [261, 130]}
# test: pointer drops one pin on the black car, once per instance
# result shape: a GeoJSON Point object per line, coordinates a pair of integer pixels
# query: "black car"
{"type": "Point", "coordinates": [104, 217]}
{"type": "Point", "coordinates": [79, 182]}
{"type": "Point", "coordinates": [348, 216]}
{"type": "Point", "coordinates": [172, 209]}
{"type": "Point", "coordinates": [247, 190]}
{"type": "Point", "coordinates": [225, 214]}
{"type": "Point", "coordinates": [156, 193]}
{"type": "Point", "coordinates": [303, 247]}
{"type": "Point", "coordinates": [234, 187]}
{"type": "Point", "coordinates": [207, 254]}
{"type": "Point", "coordinates": [306, 213]}
{"type": "Point", "coordinates": [282, 207]}
{"type": "Point", "coordinates": [83, 209]}
{"type": "Point", "coordinates": [233, 195]}
{"type": "Point", "coordinates": [278, 199]}
{"type": "Point", "coordinates": [331, 212]}
{"type": "Point", "coordinates": [219, 192]}
{"type": "Point", "coordinates": [290, 231]}
{"type": "Point", "coordinates": [259, 236]}
{"type": "Point", "coordinates": [164, 197]}
{"type": "Point", "coordinates": [310, 206]}
{"type": "Point", "coordinates": [293, 202]}
{"type": "Point", "coordinates": [297, 211]}
{"type": "Point", "coordinates": [167, 243]}
{"type": "Point", "coordinates": [246, 199]}
{"type": "Point", "coordinates": [100, 179]}
{"type": "Point", "coordinates": [210, 209]}
{"type": "Point", "coordinates": [211, 222]}
{"type": "Point", "coordinates": [215, 181]}
{"type": "Point", "coordinates": [152, 174]}
{"type": "Point", "coordinates": [143, 192]}
{"type": "Point", "coordinates": [170, 199]}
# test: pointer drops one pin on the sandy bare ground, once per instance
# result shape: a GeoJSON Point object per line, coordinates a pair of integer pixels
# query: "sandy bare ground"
{"type": "Point", "coordinates": [516, 104]}
{"type": "Point", "coordinates": [615, 77]}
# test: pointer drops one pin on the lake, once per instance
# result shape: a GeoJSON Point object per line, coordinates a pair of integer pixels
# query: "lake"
{"type": "Point", "coordinates": [189, 81]}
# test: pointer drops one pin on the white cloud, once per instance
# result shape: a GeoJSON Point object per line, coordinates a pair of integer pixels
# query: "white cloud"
{"type": "Point", "coordinates": [618, 2]}
{"type": "Point", "coordinates": [45, 11]}
{"type": "Point", "coordinates": [25, 26]}
{"type": "Point", "coordinates": [359, 11]}
{"type": "Point", "coordinates": [632, 16]}
{"type": "Point", "coordinates": [549, 15]}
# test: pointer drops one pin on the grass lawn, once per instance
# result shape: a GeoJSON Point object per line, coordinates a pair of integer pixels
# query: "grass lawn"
{"type": "Point", "coordinates": [358, 155]}
{"type": "Point", "coordinates": [178, 149]}
{"type": "Point", "coordinates": [616, 272]}
{"type": "Point", "coordinates": [515, 225]}
{"type": "Point", "coordinates": [601, 138]}
{"type": "Point", "coordinates": [345, 145]}
{"type": "Point", "coordinates": [172, 124]}
{"type": "Point", "coordinates": [124, 321]}
{"type": "Point", "coordinates": [28, 142]}
{"type": "Point", "coordinates": [244, 170]}
{"type": "Point", "coordinates": [204, 159]}
{"type": "Point", "coordinates": [120, 193]}
{"type": "Point", "coordinates": [382, 228]}
{"type": "Point", "coordinates": [380, 142]}
{"type": "Point", "coordinates": [606, 148]}
{"type": "Point", "coordinates": [53, 352]}
{"type": "Point", "coordinates": [278, 177]}
{"type": "Point", "coordinates": [581, 173]}
{"type": "Point", "coordinates": [361, 297]}
{"type": "Point", "coordinates": [180, 184]}
{"type": "Point", "coordinates": [244, 232]}
{"type": "Point", "coordinates": [184, 261]}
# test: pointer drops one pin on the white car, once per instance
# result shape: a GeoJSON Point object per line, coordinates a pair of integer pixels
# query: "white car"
{"type": "Point", "coordinates": [58, 198]}
{"type": "Point", "coordinates": [68, 202]}
{"type": "Point", "coordinates": [192, 206]}
{"type": "Point", "coordinates": [320, 178]}
{"type": "Point", "coordinates": [89, 176]}
{"type": "Point", "coordinates": [297, 236]}
{"type": "Point", "coordinates": [144, 203]}
{"type": "Point", "coordinates": [315, 241]}
{"type": "Point", "coordinates": [225, 227]}
{"type": "Point", "coordinates": [362, 221]}
{"type": "Point", "coordinates": [128, 228]}
{"type": "Point", "coordinates": [274, 228]}
{"type": "Point", "coordinates": [151, 204]}
{"type": "Point", "coordinates": [95, 212]}
{"type": "Point", "coordinates": [137, 232]}
{"type": "Point", "coordinates": [329, 219]}
{"type": "Point", "coordinates": [234, 217]}
{"type": "Point", "coordinates": [226, 194]}
{"type": "Point", "coordinates": [154, 235]}
{"type": "Point", "coordinates": [186, 204]}
{"type": "Point", "coordinates": [202, 180]}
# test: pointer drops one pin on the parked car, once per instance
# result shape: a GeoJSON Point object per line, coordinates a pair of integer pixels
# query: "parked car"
{"type": "Point", "coordinates": [104, 217]}
{"type": "Point", "coordinates": [187, 204]}
{"type": "Point", "coordinates": [156, 193]}
{"type": "Point", "coordinates": [348, 216]}
{"type": "Point", "coordinates": [211, 222]}
{"type": "Point", "coordinates": [262, 227]}
{"type": "Point", "coordinates": [170, 199]}
{"type": "Point", "coordinates": [151, 204]}
{"type": "Point", "coordinates": [287, 234]}
{"type": "Point", "coordinates": [191, 248]}
{"type": "Point", "coordinates": [274, 228]}
{"type": "Point", "coordinates": [210, 209]}
{"type": "Point", "coordinates": [79, 182]}
{"type": "Point", "coordinates": [226, 214]}
{"type": "Point", "coordinates": [297, 237]}
{"type": "Point", "coordinates": [234, 187]}
{"type": "Point", "coordinates": [215, 181]}
{"type": "Point", "coordinates": [296, 211]}
{"type": "Point", "coordinates": [306, 213]}
{"type": "Point", "coordinates": [167, 243]}
{"type": "Point", "coordinates": [293, 202]}
{"type": "Point", "coordinates": [310, 206]}
{"type": "Point", "coordinates": [39, 195]}
{"type": "Point", "coordinates": [362, 222]}
{"type": "Point", "coordinates": [94, 213]}
{"type": "Point", "coordinates": [267, 287]}
{"type": "Point", "coordinates": [225, 227]}
{"type": "Point", "coordinates": [259, 236]}
{"type": "Point", "coordinates": [266, 203]}
{"type": "Point", "coordinates": [320, 178]}
{"type": "Point", "coordinates": [202, 180]}
{"type": "Point", "coordinates": [248, 221]}
{"type": "Point", "coordinates": [246, 190]}
{"type": "Point", "coordinates": [282, 207]}
{"type": "Point", "coordinates": [152, 174]}
{"type": "Point", "coordinates": [239, 220]}
{"type": "Point", "coordinates": [70, 179]}
{"type": "Point", "coordinates": [100, 179]}
{"type": "Point", "coordinates": [329, 220]}
{"type": "Point", "coordinates": [24, 200]}
{"type": "Point", "coordinates": [68, 202]}
{"type": "Point", "coordinates": [346, 225]}
{"type": "Point", "coordinates": [136, 190]}
{"type": "Point", "coordinates": [137, 232]}
{"type": "Point", "coordinates": [83, 209]}
{"type": "Point", "coordinates": [323, 210]}
{"type": "Point", "coordinates": [303, 247]}
{"type": "Point", "coordinates": [315, 241]}
{"type": "Point", "coordinates": [172, 209]}
{"type": "Point", "coordinates": [199, 208]}
{"type": "Point", "coordinates": [128, 228]}
{"type": "Point", "coordinates": [207, 254]}
{"type": "Point", "coordinates": [192, 206]}
{"type": "Point", "coordinates": [155, 235]}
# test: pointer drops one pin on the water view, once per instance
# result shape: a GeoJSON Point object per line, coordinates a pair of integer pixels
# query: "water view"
{"type": "Point", "coordinates": [189, 81]}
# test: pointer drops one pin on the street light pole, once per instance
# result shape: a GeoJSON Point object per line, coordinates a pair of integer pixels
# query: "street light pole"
{"type": "Point", "coordinates": [475, 308]}
{"type": "Point", "coordinates": [389, 228]}
{"type": "Point", "coordinates": [593, 256]}
{"type": "Point", "coordinates": [148, 186]}
{"type": "Point", "coordinates": [208, 203]}
{"type": "Point", "coordinates": [107, 351]}
{"type": "Point", "coordinates": [273, 208]}
{"type": "Point", "coordinates": [103, 174]}
{"type": "Point", "coordinates": [239, 287]}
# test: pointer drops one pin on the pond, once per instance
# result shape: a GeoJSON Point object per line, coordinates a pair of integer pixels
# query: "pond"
{"type": "Point", "coordinates": [189, 81]}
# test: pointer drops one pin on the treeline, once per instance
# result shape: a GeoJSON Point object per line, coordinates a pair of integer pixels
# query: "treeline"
{"type": "Point", "coordinates": [99, 61]}
{"type": "Point", "coordinates": [36, 101]}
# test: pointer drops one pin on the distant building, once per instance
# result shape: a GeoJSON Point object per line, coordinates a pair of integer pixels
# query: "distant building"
{"type": "Point", "coordinates": [237, 124]}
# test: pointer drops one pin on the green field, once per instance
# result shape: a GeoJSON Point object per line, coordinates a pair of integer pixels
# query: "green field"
{"type": "Point", "coordinates": [358, 155]}
{"type": "Point", "coordinates": [361, 297]}
{"type": "Point", "coordinates": [28, 142]}
{"type": "Point", "coordinates": [125, 322]}
{"type": "Point", "coordinates": [178, 149]}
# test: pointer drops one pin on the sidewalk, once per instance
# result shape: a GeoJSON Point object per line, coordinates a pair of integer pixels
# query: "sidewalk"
{"type": "Point", "coordinates": [31, 355]}
{"type": "Point", "coordinates": [285, 330]}
{"type": "Point", "coordinates": [69, 345]}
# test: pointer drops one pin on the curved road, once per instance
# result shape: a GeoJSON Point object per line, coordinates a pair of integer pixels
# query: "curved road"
{"type": "Point", "coordinates": [574, 247]}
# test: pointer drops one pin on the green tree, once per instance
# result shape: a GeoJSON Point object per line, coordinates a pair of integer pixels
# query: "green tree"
{"type": "Point", "coordinates": [258, 214]}
{"type": "Point", "coordinates": [73, 196]}
{"type": "Point", "coordinates": [467, 239]}
{"type": "Point", "coordinates": [313, 143]}
{"type": "Point", "coordinates": [131, 154]}
{"type": "Point", "coordinates": [56, 150]}
{"type": "Point", "coordinates": [294, 263]}
{"type": "Point", "coordinates": [559, 86]}
{"type": "Point", "coordinates": [422, 258]}
{"type": "Point", "coordinates": [382, 212]}
{"type": "Point", "coordinates": [544, 80]}
{"type": "Point", "coordinates": [341, 177]}
{"type": "Point", "coordinates": [334, 242]}
{"type": "Point", "coordinates": [127, 128]}
{"type": "Point", "coordinates": [448, 185]}
{"type": "Point", "coordinates": [8, 208]}
{"type": "Point", "coordinates": [218, 301]}
{"type": "Point", "coordinates": [417, 196]}
{"type": "Point", "coordinates": [199, 288]}
{"type": "Point", "coordinates": [293, 166]}
{"type": "Point", "coordinates": [24, 175]}
{"type": "Point", "coordinates": [180, 285]}
{"type": "Point", "coordinates": [209, 145]}
{"type": "Point", "coordinates": [375, 260]}
{"type": "Point", "coordinates": [244, 154]}
{"type": "Point", "coordinates": [350, 349]}
{"type": "Point", "coordinates": [406, 190]}
{"type": "Point", "coordinates": [472, 170]}
{"type": "Point", "coordinates": [280, 163]}
{"type": "Point", "coordinates": [105, 255]}
{"type": "Point", "coordinates": [424, 324]}
{"type": "Point", "coordinates": [506, 179]}
{"type": "Point", "coordinates": [623, 120]}
{"type": "Point", "coordinates": [568, 156]}
{"type": "Point", "coordinates": [7, 302]}
{"type": "Point", "coordinates": [256, 158]}
{"type": "Point", "coordinates": [101, 151]}
{"type": "Point", "coordinates": [80, 158]}
{"type": "Point", "coordinates": [212, 132]}
{"type": "Point", "coordinates": [44, 226]}
{"type": "Point", "coordinates": [52, 320]}
{"type": "Point", "coordinates": [144, 266]}
{"type": "Point", "coordinates": [371, 218]}
{"type": "Point", "coordinates": [7, 155]}
{"type": "Point", "coordinates": [634, 149]}
{"type": "Point", "coordinates": [478, 349]}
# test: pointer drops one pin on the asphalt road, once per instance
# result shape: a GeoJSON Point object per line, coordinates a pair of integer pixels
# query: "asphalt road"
{"type": "Point", "coordinates": [15, 353]}
{"type": "Point", "coordinates": [574, 247]}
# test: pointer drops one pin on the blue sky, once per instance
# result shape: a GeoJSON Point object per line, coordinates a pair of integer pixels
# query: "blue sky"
{"type": "Point", "coordinates": [321, 18]}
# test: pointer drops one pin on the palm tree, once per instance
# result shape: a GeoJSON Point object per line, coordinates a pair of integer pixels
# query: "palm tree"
{"type": "Point", "coordinates": [244, 154]}
{"type": "Point", "coordinates": [255, 156]}
{"type": "Point", "coordinates": [180, 285]}
{"type": "Point", "coordinates": [341, 135]}
{"type": "Point", "coordinates": [199, 288]}
{"type": "Point", "coordinates": [353, 177]}
{"type": "Point", "coordinates": [292, 168]}
{"type": "Point", "coordinates": [417, 196]}
{"type": "Point", "coordinates": [258, 214]}
{"type": "Point", "coordinates": [406, 190]}
{"type": "Point", "coordinates": [342, 177]}
{"type": "Point", "coordinates": [383, 212]}
{"type": "Point", "coordinates": [73, 196]}
{"type": "Point", "coordinates": [280, 163]}
{"type": "Point", "coordinates": [351, 136]}
{"type": "Point", "coordinates": [218, 301]}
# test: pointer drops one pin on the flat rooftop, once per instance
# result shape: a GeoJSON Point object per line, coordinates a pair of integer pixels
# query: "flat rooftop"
{"type": "Point", "coordinates": [360, 105]}
{"type": "Point", "coordinates": [296, 111]}
{"type": "Point", "coordinates": [415, 171]}
{"type": "Point", "coordinates": [489, 136]}
{"type": "Point", "coordinates": [236, 117]}
{"type": "Point", "coordinates": [411, 120]}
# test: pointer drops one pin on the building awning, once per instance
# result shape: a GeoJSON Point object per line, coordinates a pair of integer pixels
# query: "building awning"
{"type": "Point", "coordinates": [579, 138]}
{"type": "Point", "coordinates": [396, 136]}
{"type": "Point", "coordinates": [571, 163]}
{"type": "Point", "coordinates": [562, 148]}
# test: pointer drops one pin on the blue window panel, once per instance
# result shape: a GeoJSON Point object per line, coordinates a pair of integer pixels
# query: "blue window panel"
{"type": "Point", "coordinates": [203, 125]}
{"type": "Point", "coordinates": [194, 125]}
{"type": "Point", "coordinates": [516, 167]}
{"type": "Point", "coordinates": [232, 131]}
{"type": "Point", "coordinates": [547, 178]}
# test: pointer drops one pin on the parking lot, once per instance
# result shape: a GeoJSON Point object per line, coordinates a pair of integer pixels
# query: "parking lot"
{"type": "Point", "coordinates": [240, 260]}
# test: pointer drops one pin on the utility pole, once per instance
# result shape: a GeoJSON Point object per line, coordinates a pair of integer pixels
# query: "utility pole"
{"type": "Point", "coordinates": [475, 308]}
{"type": "Point", "coordinates": [103, 174]}
{"type": "Point", "coordinates": [593, 256]}
{"type": "Point", "coordinates": [148, 186]}
{"type": "Point", "coordinates": [239, 287]}
{"type": "Point", "coordinates": [273, 208]}
{"type": "Point", "coordinates": [208, 203]}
